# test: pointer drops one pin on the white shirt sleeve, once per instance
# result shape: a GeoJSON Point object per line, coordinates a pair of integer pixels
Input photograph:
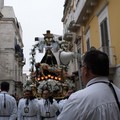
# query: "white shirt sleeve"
{"type": "Point", "coordinates": [67, 111]}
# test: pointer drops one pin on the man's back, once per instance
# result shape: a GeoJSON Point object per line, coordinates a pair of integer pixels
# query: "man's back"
{"type": "Point", "coordinates": [8, 107]}
{"type": "Point", "coordinates": [95, 102]}
{"type": "Point", "coordinates": [98, 100]}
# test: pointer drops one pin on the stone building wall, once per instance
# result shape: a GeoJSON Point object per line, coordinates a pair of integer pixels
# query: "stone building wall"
{"type": "Point", "coordinates": [11, 64]}
{"type": "Point", "coordinates": [1, 4]}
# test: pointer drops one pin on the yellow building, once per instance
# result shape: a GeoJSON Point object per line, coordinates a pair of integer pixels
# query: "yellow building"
{"type": "Point", "coordinates": [96, 24]}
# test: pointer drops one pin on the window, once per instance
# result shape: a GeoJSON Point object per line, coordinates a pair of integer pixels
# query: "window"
{"type": "Point", "coordinates": [104, 30]}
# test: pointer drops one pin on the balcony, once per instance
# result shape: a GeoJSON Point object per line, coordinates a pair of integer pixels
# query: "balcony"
{"type": "Point", "coordinates": [86, 8]}
{"type": "Point", "coordinates": [67, 6]}
{"type": "Point", "coordinates": [19, 55]}
{"type": "Point", "coordinates": [18, 51]}
{"type": "Point", "coordinates": [22, 62]}
{"type": "Point", "coordinates": [68, 36]}
{"type": "Point", "coordinates": [73, 26]}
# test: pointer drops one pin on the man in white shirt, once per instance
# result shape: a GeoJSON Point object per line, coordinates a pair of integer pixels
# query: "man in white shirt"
{"type": "Point", "coordinates": [48, 106]}
{"type": "Point", "coordinates": [98, 100]}
{"type": "Point", "coordinates": [28, 107]}
{"type": "Point", "coordinates": [8, 105]}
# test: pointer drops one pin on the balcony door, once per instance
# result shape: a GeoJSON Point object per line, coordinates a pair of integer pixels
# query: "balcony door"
{"type": "Point", "coordinates": [104, 36]}
{"type": "Point", "coordinates": [104, 30]}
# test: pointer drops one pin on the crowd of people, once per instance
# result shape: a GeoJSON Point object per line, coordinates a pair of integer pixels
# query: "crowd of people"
{"type": "Point", "coordinates": [29, 107]}
{"type": "Point", "coordinates": [99, 100]}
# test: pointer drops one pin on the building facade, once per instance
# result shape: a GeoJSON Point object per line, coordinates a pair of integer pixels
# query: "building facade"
{"type": "Point", "coordinates": [94, 24]}
{"type": "Point", "coordinates": [11, 50]}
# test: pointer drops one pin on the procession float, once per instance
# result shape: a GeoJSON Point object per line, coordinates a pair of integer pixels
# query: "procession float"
{"type": "Point", "coordinates": [49, 72]}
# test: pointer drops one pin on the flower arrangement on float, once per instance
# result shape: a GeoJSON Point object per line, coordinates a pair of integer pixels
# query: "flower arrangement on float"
{"type": "Point", "coordinates": [52, 85]}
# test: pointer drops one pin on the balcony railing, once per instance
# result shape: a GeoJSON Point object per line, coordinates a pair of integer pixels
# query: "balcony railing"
{"type": "Point", "coordinates": [68, 36]}
{"type": "Point", "coordinates": [73, 26]}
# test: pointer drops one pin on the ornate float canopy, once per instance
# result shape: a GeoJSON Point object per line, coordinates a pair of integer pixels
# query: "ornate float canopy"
{"type": "Point", "coordinates": [49, 73]}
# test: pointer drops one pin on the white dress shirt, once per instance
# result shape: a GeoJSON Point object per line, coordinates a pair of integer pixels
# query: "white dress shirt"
{"type": "Point", "coordinates": [95, 102]}
{"type": "Point", "coordinates": [49, 108]}
{"type": "Point", "coordinates": [28, 111]}
{"type": "Point", "coordinates": [8, 107]}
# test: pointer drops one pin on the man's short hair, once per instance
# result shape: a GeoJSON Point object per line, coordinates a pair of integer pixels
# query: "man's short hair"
{"type": "Point", "coordinates": [97, 61]}
{"type": "Point", "coordinates": [5, 86]}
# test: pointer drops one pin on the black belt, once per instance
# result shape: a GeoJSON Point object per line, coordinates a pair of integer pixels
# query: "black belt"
{"type": "Point", "coordinates": [4, 115]}
{"type": "Point", "coordinates": [29, 115]}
